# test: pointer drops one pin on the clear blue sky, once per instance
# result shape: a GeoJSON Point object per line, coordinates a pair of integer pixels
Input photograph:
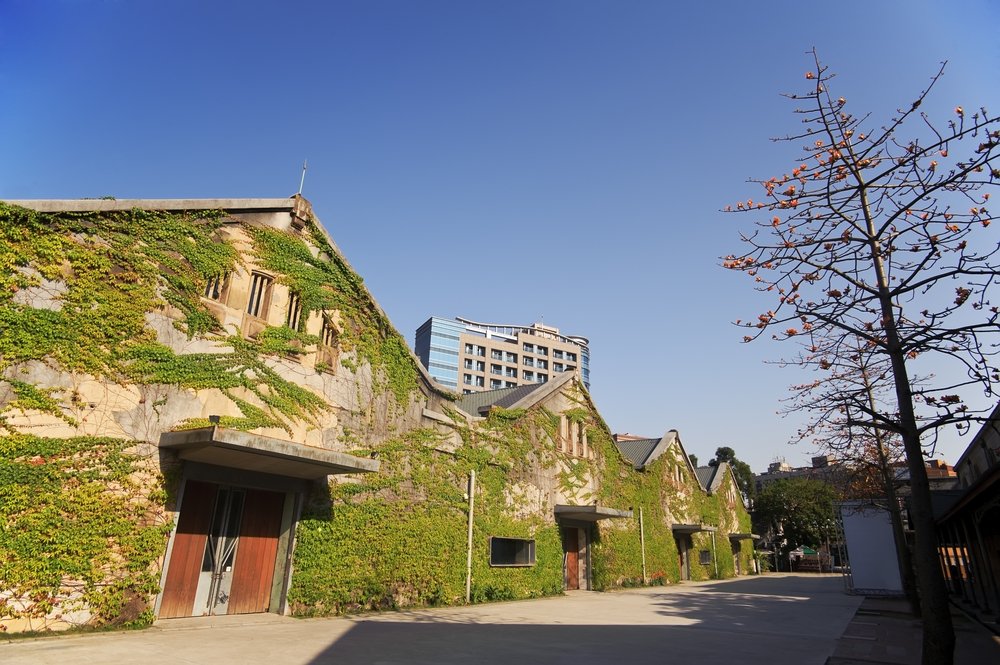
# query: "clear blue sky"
{"type": "Point", "coordinates": [507, 161]}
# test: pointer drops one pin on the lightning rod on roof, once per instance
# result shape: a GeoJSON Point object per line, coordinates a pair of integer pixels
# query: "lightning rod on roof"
{"type": "Point", "coordinates": [302, 181]}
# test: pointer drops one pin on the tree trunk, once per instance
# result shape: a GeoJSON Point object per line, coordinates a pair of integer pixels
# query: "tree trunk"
{"type": "Point", "coordinates": [938, 633]}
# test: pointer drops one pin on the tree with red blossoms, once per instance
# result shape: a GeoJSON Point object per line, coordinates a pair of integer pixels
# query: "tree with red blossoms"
{"type": "Point", "coordinates": [881, 237]}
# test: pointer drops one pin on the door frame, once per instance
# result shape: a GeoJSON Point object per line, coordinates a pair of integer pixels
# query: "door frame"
{"type": "Point", "coordinates": [294, 490]}
{"type": "Point", "coordinates": [584, 539]}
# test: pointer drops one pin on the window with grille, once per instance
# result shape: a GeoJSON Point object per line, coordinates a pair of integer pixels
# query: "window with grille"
{"type": "Point", "coordinates": [329, 334]}
{"type": "Point", "coordinates": [260, 294]}
{"type": "Point", "coordinates": [216, 287]}
{"type": "Point", "coordinates": [294, 316]}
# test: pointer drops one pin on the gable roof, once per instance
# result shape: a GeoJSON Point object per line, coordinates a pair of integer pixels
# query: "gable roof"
{"type": "Point", "coordinates": [476, 404]}
{"type": "Point", "coordinates": [518, 397]}
{"type": "Point", "coordinates": [637, 451]}
{"type": "Point", "coordinates": [642, 452]}
{"type": "Point", "coordinates": [295, 206]}
{"type": "Point", "coordinates": [712, 477]}
{"type": "Point", "coordinates": [705, 474]}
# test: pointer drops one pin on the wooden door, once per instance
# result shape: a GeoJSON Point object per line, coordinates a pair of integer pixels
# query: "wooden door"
{"type": "Point", "coordinates": [571, 551]}
{"type": "Point", "coordinates": [184, 569]}
{"type": "Point", "coordinates": [683, 552]}
{"type": "Point", "coordinates": [253, 571]}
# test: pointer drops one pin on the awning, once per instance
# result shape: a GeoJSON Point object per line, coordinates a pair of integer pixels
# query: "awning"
{"type": "Point", "coordinates": [744, 536]}
{"type": "Point", "coordinates": [591, 513]}
{"type": "Point", "coordinates": [253, 452]}
{"type": "Point", "coordinates": [691, 528]}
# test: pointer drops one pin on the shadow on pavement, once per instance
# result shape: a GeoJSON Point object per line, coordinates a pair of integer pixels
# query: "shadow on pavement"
{"type": "Point", "coordinates": [444, 644]}
{"type": "Point", "coordinates": [752, 621]}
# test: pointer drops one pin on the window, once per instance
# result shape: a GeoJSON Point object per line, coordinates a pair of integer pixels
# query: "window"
{"type": "Point", "coordinates": [557, 367]}
{"type": "Point", "coordinates": [542, 350]}
{"type": "Point", "coordinates": [327, 350]}
{"type": "Point", "coordinates": [496, 369]}
{"type": "Point", "coordinates": [510, 384]}
{"type": "Point", "coordinates": [328, 336]}
{"type": "Point", "coordinates": [558, 355]}
{"type": "Point", "coordinates": [468, 363]}
{"type": "Point", "coordinates": [470, 349]}
{"type": "Point", "coordinates": [480, 366]}
{"type": "Point", "coordinates": [495, 383]}
{"type": "Point", "coordinates": [479, 381]}
{"type": "Point", "coordinates": [573, 437]}
{"type": "Point", "coordinates": [542, 378]}
{"type": "Point", "coordinates": [705, 557]}
{"type": "Point", "coordinates": [511, 358]}
{"type": "Point", "coordinates": [529, 362]}
{"type": "Point", "coordinates": [467, 379]}
{"type": "Point", "coordinates": [217, 287]}
{"type": "Point", "coordinates": [260, 294]}
{"type": "Point", "coordinates": [481, 351]}
{"type": "Point", "coordinates": [571, 356]}
{"type": "Point", "coordinates": [530, 348]}
{"type": "Point", "coordinates": [541, 364]}
{"type": "Point", "coordinates": [294, 315]}
{"type": "Point", "coordinates": [510, 371]}
{"type": "Point", "coordinates": [512, 551]}
{"type": "Point", "coordinates": [528, 376]}
{"type": "Point", "coordinates": [496, 354]}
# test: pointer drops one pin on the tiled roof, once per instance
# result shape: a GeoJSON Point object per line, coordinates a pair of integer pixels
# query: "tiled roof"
{"type": "Point", "coordinates": [637, 451]}
{"type": "Point", "coordinates": [711, 477]}
{"type": "Point", "coordinates": [705, 474]}
{"type": "Point", "coordinates": [475, 403]}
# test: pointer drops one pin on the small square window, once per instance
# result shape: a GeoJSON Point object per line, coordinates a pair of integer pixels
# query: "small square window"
{"type": "Point", "coordinates": [705, 557]}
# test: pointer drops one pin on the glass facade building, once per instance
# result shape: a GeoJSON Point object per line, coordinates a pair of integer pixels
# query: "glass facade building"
{"type": "Point", "coordinates": [469, 356]}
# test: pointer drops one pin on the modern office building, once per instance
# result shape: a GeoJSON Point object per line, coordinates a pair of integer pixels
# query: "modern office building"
{"type": "Point", "coordinates": [472, 357]}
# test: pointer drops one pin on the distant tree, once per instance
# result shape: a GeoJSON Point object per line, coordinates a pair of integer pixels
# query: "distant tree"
{"type": "Point", "coordinates": [876, 236]}
{"type": "Point", "coordinates": [694, 460]}
{"type": "Point", "coordinates": [724, 454]}
{"type": "Point", "coordinates": [795, 512]}
{"type": "Point", "coordinates": [741, 470]}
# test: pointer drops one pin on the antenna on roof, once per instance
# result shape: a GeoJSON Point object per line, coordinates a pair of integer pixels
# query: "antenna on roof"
{"type": "Point", "coordinates": [302, 181]}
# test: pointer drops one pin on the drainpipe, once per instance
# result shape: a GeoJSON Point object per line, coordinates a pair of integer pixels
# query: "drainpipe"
{"type": "Point", "coordinates": [642, 545]}
{"type": "Point", "coordinates": [468, 559]}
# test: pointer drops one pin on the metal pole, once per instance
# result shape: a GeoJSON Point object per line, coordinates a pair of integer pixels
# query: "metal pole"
{"type": "Point", "coordinates": [642, 545]}
{"type": "Point", "coordinates": [468, 560]}
{"type": "Point", "coordinates": [302, 181]}
{"type": "Point", "coordinates": [715, 557]}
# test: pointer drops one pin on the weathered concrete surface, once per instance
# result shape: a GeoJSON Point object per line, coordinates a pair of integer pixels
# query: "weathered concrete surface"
{"type": "Point", "coordinates": [770, 619]}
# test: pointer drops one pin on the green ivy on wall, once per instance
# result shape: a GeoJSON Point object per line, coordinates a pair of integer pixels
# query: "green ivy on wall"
{"type": "Point", "coordinates": [75, 521]}
{"type": "Point", "coordinates": [398, 538]}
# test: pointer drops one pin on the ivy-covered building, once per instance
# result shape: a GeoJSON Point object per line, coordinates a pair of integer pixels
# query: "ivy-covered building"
{"type": "Point", "coordinates": [204, 411]}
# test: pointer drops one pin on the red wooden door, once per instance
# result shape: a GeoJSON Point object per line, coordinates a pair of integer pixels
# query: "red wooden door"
{"type": "Point", "coordinates": [571, 548]}
{"type": "Point", "coordinates": [253, 570]}
{"type": "Point", "coordinates": [184, 568]}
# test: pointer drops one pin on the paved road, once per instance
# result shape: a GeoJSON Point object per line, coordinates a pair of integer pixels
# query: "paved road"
{"type": "Point", "coordinates": [774, 619]}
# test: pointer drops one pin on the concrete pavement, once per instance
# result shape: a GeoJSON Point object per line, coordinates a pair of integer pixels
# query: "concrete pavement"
{"type": "Point", "coordinates": [771, 619]}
